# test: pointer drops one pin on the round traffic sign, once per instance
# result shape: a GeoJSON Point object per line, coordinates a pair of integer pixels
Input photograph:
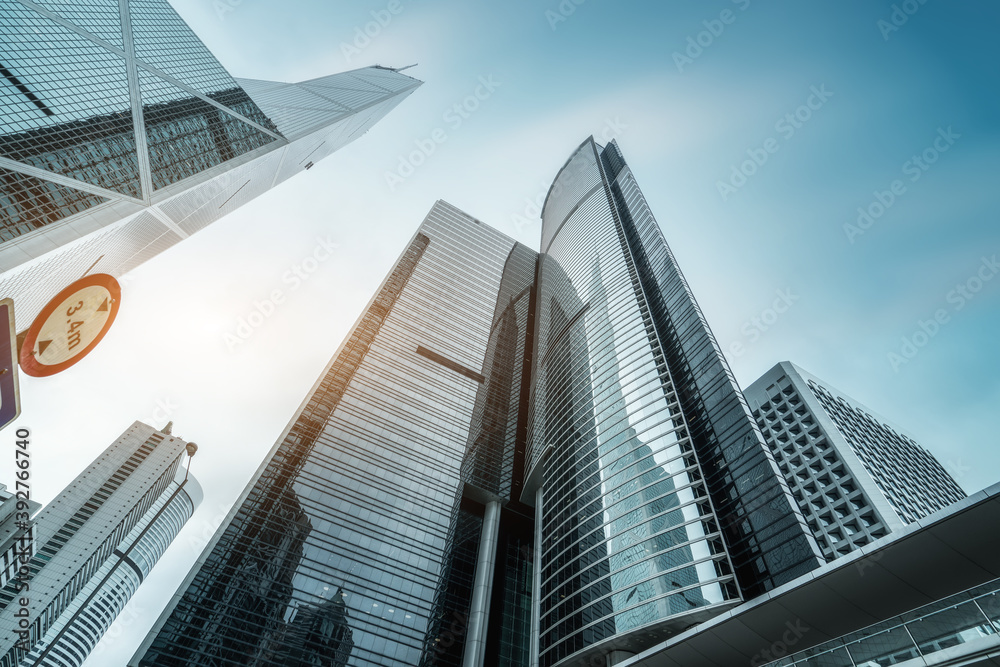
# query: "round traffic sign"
{"type": "Point", "coordinates": [70, 325]}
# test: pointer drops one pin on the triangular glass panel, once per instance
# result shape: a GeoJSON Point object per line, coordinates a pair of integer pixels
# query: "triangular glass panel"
{"type": "Point", "coordinates": [384, 78]}
{"type": "Point", "coordinates": [66, 103]}
{"type": "Point", "coordinates": [352, 99]}
{"type": "Point", "coordinates": [187, 135]}
{"type": "Point", "coordinates": [164, 41]}
{"type": "Point", "coordinates": [341, 81]}
{"type": "Point", "coordinates": [255, 86]}
{"type": "Point", "coordinates": [28, 203]}
{"type": "Point", "coordinates": [101, 18]}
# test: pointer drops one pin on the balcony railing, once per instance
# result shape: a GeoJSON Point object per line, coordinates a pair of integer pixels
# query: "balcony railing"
{"type": "Point", "coordinates": [955, 620]}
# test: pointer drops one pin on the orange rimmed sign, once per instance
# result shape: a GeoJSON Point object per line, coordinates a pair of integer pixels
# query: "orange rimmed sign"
{"type": "Point", "coordinates": [70, 325]}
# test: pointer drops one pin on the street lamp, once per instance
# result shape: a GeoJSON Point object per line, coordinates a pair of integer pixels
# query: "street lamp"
{"type": "Point", "coordinates": [191, 449]}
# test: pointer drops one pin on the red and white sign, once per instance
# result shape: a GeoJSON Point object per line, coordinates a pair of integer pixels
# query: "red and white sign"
{"type": "Point", "coordinates": [71, 325]}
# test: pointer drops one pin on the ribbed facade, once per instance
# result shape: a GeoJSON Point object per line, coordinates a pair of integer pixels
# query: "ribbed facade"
{"type": "Point", "coordinates": [15, 537]}
{"type": "Point", "coordinates": [82, 625]}
{"type": "Point", "coordinates": [121, 135]}
{"type": "Point", "coordinates": [855, 477]}
{"type": "Point", "coordinates": [661, 506]}
{"type": "Point", "coordinates": [491, 628]}
{"type": "Point", "coordinates": [96, 541]}
{"type": "Point", "coordinates": [516, 458]}
{"type": "Point", "coordinates": [354, 504]}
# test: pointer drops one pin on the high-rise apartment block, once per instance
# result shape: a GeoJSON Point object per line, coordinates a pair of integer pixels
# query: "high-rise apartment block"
{"type": "Point", "coordinates": [855, 476]}
{"type": "Point", "coordinates": [95, 543]}
{"type": "Point", "coordinates": [121, 134]}
{"type": "Point", "coordinates": [515, 456]}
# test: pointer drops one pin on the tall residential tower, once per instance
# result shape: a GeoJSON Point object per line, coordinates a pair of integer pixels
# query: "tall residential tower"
{"type": "Point", "coordinates": [96, 542]}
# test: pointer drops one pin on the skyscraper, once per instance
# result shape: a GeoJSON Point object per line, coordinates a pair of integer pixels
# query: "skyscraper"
{"type": "Point", "coordinates": [855, 476]}
{"type": "Point", "coordinates": [482, 605]}
{"type": "Point", "coordinates": [658, 503]}
{"type": "Point", "coordinates": [514, 457]}
{"type": "Point", "coordinates": [121, 134]}
{"type": "Point", "coordinates": [355, 500]}
{"type": "Point", "coordinates": [96, 542]}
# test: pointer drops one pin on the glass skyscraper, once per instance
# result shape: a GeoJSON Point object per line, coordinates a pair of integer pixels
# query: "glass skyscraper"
{"type": "Point", "coordinates": [516, 458]}
{"type": "Point", "coordinates": [95, 544]}
{"type": "Point", "coordinates": [121, 135]}
{"type": "Point", "coordinates": [855, 476]}
{"type": "Point", "coordinates": [350, 514]}
{"type": "Point", "coordinates": [657, 501]}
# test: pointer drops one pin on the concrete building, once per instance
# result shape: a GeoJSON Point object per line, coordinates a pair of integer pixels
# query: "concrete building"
{"type": "Point", "coordinates": [95, 543]}
{"type": "Point", "coordinates": [855, 476]}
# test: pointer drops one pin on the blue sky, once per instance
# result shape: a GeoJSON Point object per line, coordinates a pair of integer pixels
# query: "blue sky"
{"type": "Point", "coordinates": [690, 88]}
{"type": "Point", "coordinates": [609, 69]}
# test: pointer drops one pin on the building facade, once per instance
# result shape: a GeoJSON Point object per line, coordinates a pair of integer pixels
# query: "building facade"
{"type": "Point", "coordinates": [928, 594]}
{"type": "Point", "coordinates": [657, 503]}
{"type": "Point", "coordinates": [121, 135]}
{"type": "Point", "coordinates": [855, 476]}
{"type": "Point", "coordinates": [515, 459]}
{"type": "Point", "coordinates": [96, 542]}
{"type": "Point", "coordinates": [482, 607]}
{"type": "Point", "coordinates": [351, 510]}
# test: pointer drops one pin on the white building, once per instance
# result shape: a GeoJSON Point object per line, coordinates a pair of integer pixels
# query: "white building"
{"type": "Point", "coordinates": [856, 476]}
{"type": "Point", "coordinates": [95, 543]}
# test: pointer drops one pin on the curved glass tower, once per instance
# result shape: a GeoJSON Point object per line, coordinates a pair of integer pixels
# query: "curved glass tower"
{"type": "Point", "coordinates": [516, 459]}
{"type": "Point", "coordinates": [657, 503]}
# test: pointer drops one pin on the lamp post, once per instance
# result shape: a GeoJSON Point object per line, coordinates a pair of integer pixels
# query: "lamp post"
{"type": "Point", "coordinates": [191, 449]}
